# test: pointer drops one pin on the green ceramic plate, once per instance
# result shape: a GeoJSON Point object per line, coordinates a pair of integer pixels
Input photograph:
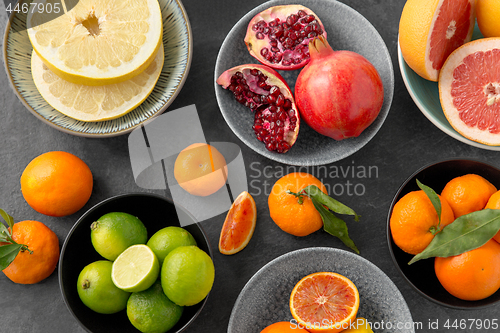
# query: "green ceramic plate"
{"type": "Point", "coordinates": [178, 43]}
{"type": "Point", "coordinates": [425, 94]}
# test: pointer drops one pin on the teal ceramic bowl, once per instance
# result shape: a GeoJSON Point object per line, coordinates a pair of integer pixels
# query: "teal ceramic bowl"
{"type": "Point", "coordinates": [178, 46]}
{"type": "Point", "coordinates": [425, 94]}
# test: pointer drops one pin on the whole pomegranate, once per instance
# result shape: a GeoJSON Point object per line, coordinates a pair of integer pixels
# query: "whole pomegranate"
{"type": "Point", "coordinates": [338, 93]}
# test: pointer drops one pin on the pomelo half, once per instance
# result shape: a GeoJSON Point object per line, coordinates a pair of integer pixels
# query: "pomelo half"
{"type": "Point", "coordinates": [429, 30]}
{"type": "Point", "coordinates": [469, 90]}
{"type": "Point", "coordinates": [98, 42]}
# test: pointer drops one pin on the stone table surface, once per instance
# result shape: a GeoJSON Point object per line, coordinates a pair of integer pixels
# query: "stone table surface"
{"type": "Point", "coordinates": [406, 142]}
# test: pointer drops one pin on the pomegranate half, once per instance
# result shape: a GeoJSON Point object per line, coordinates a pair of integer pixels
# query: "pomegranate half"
{"type": "Point", "coordinates": [279, 36]}
{"type": "Point", "coordinates": [339, 93]}
{"type": "Point", "coordinates": [265, 92]}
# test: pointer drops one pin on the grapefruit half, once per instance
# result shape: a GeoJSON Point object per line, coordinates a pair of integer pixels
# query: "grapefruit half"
{"type": "Point", "coordinates": [324, 302]}
{"type": "Point", "coordinates": [429, 30]}
{"type": "Point", "coordinates": [469, 90]}
{"type": "Point", "coordinates": [239, 225]}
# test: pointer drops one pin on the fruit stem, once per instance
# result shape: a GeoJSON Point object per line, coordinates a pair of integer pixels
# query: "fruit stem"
{"type": "Point", "coordinates": [434, 229]}
{"type": "Point", "coordinates": [319, 47]}
{"type": "Point", "coordinates": [94, 225]}
{"type": "Point", "coordinates": [86, 284]}
{"type": "Point", "coordinates": [25, 248]}
{"type": "Point", "coordinates": [300, 196]}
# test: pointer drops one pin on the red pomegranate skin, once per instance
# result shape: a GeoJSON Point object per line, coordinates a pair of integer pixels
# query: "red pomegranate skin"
{"type": "Point", "coordinates": [339, 93]}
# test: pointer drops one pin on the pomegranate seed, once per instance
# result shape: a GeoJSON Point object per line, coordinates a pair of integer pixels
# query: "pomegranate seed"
{"type": "Point", "coordinates": [287, 104]}
{"type": "Point", "coordinates": [292, 35]}
{"type": "Point", "coordinates": [297, 26]}
{"type": "Point", "coordinates": [270, 146]}
{"type": "Point", "coordinates": [278, 56]}
{"type": "Point", "coordinates": [290, 20]}
{"type": "Point", "coordinates": [255, 27]}
{"type": "Point", "coordinates": [312, 35]}
{"type": "Point", "coordinates": [282, 116]}
{"type": "Point", "coordinates": [286, 63]}
{"type": "Point", "coordinates": [301, 13]}
{"type": "Point", "coordinates": [260, 35]}
{"type": "Point", "coordinates": [275, 49]}
{"type": "Point", "coordinates": [264, 51]}
{"type": "Point", "coordinates": [266, 31]}
{"type": "Point", "coordinates": [273, 43]}
{"type": "Point", "coordinates": [280, 100]}
{"type": "Point", "coordinates": [291, 113]}
{"type": "Point", "coordinates": [275, 90]}
{"type": "Point", "coordinates": [271, 98]}
{"type": "Point", "coordinates": [273, 108]}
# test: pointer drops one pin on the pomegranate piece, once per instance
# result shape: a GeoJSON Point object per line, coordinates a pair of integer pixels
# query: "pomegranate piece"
{"type": "Point", "coordinates": [339, 93]}
{"type": "Point", "coordinates": [279, 36]}
{"type": "Point", "coordinates": [265, 92]}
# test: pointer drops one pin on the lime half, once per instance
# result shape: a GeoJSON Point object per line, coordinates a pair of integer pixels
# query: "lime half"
{"type": "Point", "coordinates": [135, 269]}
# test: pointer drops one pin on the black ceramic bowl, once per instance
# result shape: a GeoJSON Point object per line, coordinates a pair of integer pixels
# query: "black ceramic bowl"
{"type": "Point", "coordinates": [155, 212]}
{"type": "Point", "coordinates": [420, 275]}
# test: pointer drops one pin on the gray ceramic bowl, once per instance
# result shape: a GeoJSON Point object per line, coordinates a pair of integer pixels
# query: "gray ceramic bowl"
{"type": "Point", "coordinates": [265, 298]}
{"type": "Point", "coordinates": [155, 212]}
{"type": "Point", "coordinates": [347, 30]}
{"type": "Point", "coordinates": [420, 275]}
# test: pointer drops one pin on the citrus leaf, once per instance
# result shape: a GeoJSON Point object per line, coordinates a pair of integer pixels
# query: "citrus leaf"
{"type": "Point", "coordinates": [334, 225]}
{"type": "Point", "coordinates": [466, 233]}
{"type": "Point", "coordinates": [9, 219]}
{"type": "Point", "coordinates": [10, 222]}
{"type": "Point", "coordinates": [433, 197]}
{"type": "Point", "coordinates": [7, 254]}
{"type": "Point", "coordinates": [313, 191]}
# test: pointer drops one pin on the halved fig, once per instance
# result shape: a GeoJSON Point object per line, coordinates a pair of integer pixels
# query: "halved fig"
{"type": "Point", "coordinates": [265, 92]}
{"type": "Point", "coordinates": [279, 36]}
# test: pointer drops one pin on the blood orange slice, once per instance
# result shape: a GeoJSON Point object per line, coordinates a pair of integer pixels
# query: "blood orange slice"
{"type": "Point", "coordinates": [324, 302]}
{"type": "Point", "coordinates": [239, 225]}
{"type": "Point", "coordinates": [469, 90]}
{"type": "Point", "coordinates": [429, 30]}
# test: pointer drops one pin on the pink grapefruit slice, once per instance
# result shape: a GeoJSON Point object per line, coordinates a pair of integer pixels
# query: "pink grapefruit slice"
{"type": "Point", "coordinates": [469, 90]}
{"type": "Point", "coordinates": [430, 30]}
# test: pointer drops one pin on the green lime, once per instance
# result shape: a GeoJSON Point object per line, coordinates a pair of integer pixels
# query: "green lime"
{"type": "Point", "coordinates": [97, 291]}
{"type": "Point", "coordinates": [187, 275]}
{"type": "Point", "coordinates": [167, 239]}
{"type": "Point", "coordinates": [150, 311]}
{"type": "Point", "coordinates": [135, 269]}
{"type": "Point", "coordinates": [114, 232]}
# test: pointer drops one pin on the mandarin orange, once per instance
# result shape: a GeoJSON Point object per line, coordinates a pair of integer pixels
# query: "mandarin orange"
{"type": "Point", "coordinates": [296, 216]}
{"type": "Point", "coordinates": [57, 183]}
{"type": "Point", "coordinates": [472, 275]}
{"type": "Point", "coordinates": [200, 169]}
{"type": "Point", "coordinates": [39, 260]}
{"type": "Point", "coordinates": [414, 221]}
{"type": "Point", "coordinates": [283, 327]}
{"type": "Point", "coordinates": [467, 193]}
{"type": "Point", "coordinates": [494, 203]}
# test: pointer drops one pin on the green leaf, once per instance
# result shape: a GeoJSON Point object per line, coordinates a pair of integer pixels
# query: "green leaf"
{"type": "Point", "coordinates": [466, 233]}
{"type": "Point", "coordinates": [313, 191]}
{"type": "Point", "coordinates": [8, 253]}
{"type": "Point", "coordinates": [7, 218]}
{"type": "Point", "coordinates": [334, 225]}
{"type": "Point", "coordinates": [434, 200]}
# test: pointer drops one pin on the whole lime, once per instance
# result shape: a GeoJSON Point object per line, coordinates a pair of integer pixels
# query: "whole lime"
{"type": "Point", "coordinates": [97, 291]}
{"type": "Point", "coordinates": [150, 311]}
{"type": "Point", "coordinates": [187, 275]}
{"type": "Point", "coordinates": [167, 239]}
{"type": "Point", "coordinates": [112, 233]}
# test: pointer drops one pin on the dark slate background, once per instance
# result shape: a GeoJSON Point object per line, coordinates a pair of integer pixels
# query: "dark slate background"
{"type": "Point", "coordinates": [406, 142]}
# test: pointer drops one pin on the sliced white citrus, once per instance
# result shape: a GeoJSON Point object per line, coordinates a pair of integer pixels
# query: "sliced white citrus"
{"type": "Point", "coordinates": [135, 269]}
{"type": "Point", "coordinates": [95, 103]}
{"type": "Point", "coordinates": [98, 42]}
{"type": "Point", "coordinates": [469, 90]}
